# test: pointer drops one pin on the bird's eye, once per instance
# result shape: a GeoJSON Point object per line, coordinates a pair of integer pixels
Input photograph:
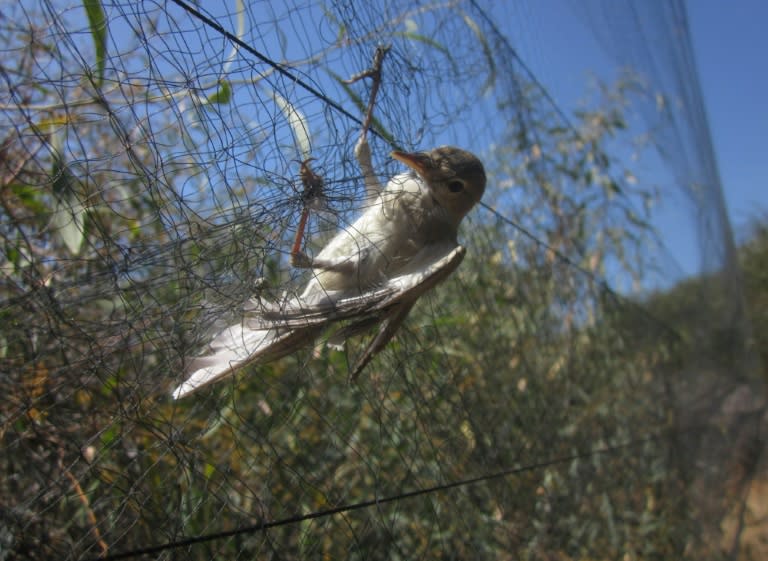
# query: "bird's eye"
{"type": "Point", "coordinates": [455, 186]}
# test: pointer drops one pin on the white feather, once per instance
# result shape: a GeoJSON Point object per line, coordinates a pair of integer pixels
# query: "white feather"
{"type": "Point", "coordinates": [232, 348]}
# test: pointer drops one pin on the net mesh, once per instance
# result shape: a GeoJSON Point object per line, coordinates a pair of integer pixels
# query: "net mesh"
{"type": "Point", "coordinates": [563, 395]}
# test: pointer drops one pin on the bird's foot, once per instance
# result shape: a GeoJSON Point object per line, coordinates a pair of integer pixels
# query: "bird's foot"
{"type": "Point", "coordinates": [301, 260]}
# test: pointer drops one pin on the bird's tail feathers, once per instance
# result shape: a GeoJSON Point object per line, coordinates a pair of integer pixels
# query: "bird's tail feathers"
{"type": "Point", "coordinates": [238, 346]}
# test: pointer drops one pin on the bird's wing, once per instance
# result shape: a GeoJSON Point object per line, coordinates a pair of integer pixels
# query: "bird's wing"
{"type": "Point", "coordinates": [273, 331]}
{"type": "Point", "coordinates": [428, 267]}
{"type": "Point", "coordinates": [387, 329]}
{"type": "Point", "coordinates": [431, 266]}
{"type": "Point", "coordinates": [386, 306]}
{"type": "Point", "coordinates": [239, 345]}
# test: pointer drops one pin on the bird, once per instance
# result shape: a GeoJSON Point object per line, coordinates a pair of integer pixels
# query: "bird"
{"type": "Point", "coordinates": [369, 275]}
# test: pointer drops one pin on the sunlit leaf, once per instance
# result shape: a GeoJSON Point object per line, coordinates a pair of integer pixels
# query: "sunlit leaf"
{"type": "Point", "coordinates": [297, 122]}
{"type": "Point", "coordinates": [209, 470]}
{"type": "Point", "coordinates": [68, 221]}
{"type": "Point", "coordinates": [98, 22]}
{"type": "Point", "coordinates": [222, 96]}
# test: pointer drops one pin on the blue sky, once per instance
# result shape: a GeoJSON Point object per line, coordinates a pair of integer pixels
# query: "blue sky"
{"type": "Point", "coordinates": [731, 46]}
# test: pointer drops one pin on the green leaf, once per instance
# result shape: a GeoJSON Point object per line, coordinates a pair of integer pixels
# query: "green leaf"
{"type": "Point", "coordinates": [222, 95]}
{"type": "Point", "coordinates": [109, 435]}
{"type": "Point", "coordinates": [98, 23]}
{"type": "Point", "coordinates": [31, 197]}
{"type": "Point", "coordinates": [342, 32]}
{"type": "Point", "coordinates": [209, 470]}
{"type": "Point", "coordinates": [12, 262]}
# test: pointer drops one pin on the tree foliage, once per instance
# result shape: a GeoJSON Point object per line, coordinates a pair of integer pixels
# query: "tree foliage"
{"type": "Point", "coordinates": [127, 237]}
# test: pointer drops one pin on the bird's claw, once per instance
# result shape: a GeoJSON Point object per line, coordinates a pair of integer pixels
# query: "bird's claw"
{"type": "Point", "coordinates": [301, 260]}
{"type": "Point", "coordinates": [312, 182]}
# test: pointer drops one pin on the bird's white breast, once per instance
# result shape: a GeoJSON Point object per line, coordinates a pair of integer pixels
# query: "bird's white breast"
{"type": "Point", "coordinates": [382, 239]}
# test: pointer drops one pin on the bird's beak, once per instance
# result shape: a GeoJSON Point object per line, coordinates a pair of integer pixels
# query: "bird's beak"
{"type": "Point", "coordinates": [420, 162]}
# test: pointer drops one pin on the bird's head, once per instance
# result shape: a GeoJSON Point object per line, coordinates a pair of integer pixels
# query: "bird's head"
{"type": "Point", "coordinates": [455, 177]}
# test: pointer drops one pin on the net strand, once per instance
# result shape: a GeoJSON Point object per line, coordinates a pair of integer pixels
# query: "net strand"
{"type": "Point", "coordinates": [376, 502]}
{"type": "Point", "coordinates": [275, 65]}
{"type": "Point", "coordinates": [154, 187]}
{"type": "Point", "coordinates": [365, 126]}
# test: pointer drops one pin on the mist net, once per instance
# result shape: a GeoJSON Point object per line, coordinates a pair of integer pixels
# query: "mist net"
{"type": "Point", "coordinates": [579, 388]}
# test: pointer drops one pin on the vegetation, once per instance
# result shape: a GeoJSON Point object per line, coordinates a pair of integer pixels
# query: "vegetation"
{"type": "Point", "coordinates": [753, 259]}
{"type": "Point", "coordinates": [126, 237]}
